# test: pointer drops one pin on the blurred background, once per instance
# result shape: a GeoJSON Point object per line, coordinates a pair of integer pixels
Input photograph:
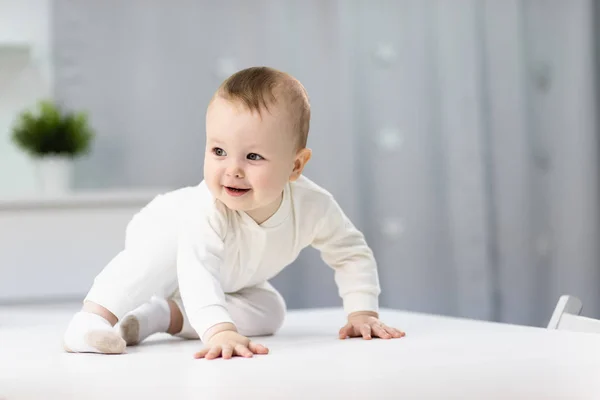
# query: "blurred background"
{"type": "Point", "coordinates": [461, 137]}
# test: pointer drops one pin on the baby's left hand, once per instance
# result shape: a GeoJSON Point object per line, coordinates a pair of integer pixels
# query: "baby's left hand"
{"type": "Point", "coordinates": [368, 325]}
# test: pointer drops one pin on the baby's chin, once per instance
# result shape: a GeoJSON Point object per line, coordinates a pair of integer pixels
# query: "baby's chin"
{"type": "Point", "coordinates": [236, 204]}
{"type": "Point", "coordinates": [248, 206]}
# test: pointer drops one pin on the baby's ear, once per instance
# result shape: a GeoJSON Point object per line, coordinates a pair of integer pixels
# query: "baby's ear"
{"type": "Point", "coordinates": [302, 158]}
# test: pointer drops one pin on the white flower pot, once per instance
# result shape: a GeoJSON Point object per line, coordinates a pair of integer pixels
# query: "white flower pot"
{"type": "Point", "coordinates": [54, 174]}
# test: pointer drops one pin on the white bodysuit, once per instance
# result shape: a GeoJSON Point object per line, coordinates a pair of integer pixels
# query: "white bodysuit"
{"type": "Point", "coordinates": [187, 246]}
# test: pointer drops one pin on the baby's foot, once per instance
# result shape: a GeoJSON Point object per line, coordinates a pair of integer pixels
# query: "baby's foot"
{"type": "Point", "coordinates": [90, 333]}
{"type": "Point", "coordinates": [148, 319]}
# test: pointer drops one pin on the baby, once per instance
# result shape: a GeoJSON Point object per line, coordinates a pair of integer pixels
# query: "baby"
{"type": "Point", "coordinates": [197, 261]}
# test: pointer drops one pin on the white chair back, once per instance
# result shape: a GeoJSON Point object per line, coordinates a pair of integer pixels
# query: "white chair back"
{"type": "Point", "coordinates": [567, 316]}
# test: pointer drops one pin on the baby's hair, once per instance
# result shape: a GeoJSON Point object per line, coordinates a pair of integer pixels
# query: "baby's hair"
{"type": "Point", "coordinates": [259, 87]}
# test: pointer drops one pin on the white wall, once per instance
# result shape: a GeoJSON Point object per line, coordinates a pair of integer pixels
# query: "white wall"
{"type": "Point", "coordinates": [25, 77]}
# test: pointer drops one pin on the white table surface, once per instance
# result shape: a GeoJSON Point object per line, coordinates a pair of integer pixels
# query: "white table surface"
{"type": "Point", "coordinates": [440, 358]}
{"type": "Point", "coordinates": [80, 199]}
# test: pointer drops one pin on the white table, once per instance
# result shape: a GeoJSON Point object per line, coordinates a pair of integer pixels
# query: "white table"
{"type": "Point", "coordinates": [440, 358]}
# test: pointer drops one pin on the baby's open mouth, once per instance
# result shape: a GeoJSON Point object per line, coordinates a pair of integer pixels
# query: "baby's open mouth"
{"type": "Point", "coordinates": [236, 191]}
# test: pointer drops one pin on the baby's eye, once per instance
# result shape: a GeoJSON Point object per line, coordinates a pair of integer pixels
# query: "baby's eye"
{"type": "Point", "coordinates": [217, 151]}
{"type": "Point", "coordinates": [254, 157]}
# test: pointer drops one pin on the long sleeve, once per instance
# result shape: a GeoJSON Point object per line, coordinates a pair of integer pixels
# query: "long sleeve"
{"type": "Point", "coordinates": [343, 247]}
{"type": "Point", "coordinates": [199, 261]}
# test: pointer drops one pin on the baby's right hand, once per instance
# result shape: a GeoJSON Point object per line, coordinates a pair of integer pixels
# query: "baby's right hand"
{"type": "Point", "coordinates": [228, 344]}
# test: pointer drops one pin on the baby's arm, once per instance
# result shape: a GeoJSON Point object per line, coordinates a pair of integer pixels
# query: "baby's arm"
{"type": "Point", "coordinates": [199, 260]}
{"type": "Point", "coordinates": [344, 248]}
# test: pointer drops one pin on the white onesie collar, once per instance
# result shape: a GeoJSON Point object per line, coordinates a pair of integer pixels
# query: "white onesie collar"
{"type": "Point", "coordinates": [280, 215]}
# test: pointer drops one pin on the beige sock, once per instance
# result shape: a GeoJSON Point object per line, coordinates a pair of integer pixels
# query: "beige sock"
{"type": "Point", "coordinates": [90, 333]}
{"type": "Point", "coordinates": [148, 319]}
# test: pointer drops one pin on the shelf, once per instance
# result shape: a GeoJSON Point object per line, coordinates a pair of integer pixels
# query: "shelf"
{"type": "Point", "coordinates": [82, 199]}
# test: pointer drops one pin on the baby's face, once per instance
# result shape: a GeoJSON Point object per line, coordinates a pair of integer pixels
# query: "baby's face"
{"type": "Point", "coordinates": [249, 157]}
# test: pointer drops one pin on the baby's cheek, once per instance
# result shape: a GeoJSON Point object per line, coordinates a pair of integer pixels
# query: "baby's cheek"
{"type": "Point", "coordinates": [212, 178]}
{"type": "Point", "coordinates": [261, 181]}
{"type": "Point", "coordinates": [269, 180]}
{"type": "Point", "coordinates": [209, 171]}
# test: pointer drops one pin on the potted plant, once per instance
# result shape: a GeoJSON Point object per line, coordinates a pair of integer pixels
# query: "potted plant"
{"type": "Point", "coordinates": [53, 138]}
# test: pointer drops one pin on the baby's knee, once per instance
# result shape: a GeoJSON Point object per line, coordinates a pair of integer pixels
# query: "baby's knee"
{"type": "Point", "coordinates": [265, 319]}
{"type": "Point", "coordinates": [276, 314]}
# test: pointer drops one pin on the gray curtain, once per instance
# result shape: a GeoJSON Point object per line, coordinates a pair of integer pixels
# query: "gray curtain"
{"type": "Point", "coordinates": [459, 136]}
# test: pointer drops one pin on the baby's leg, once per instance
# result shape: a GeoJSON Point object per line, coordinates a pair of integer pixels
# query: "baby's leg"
{"type": "Point", "coordinates": [145, 267]}
{"type": "Point", "coordinates": [256, 311]}
{"type": "Point", "coordinates": [156, 316]}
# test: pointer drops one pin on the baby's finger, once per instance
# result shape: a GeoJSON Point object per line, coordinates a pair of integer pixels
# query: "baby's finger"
{"type": "Point", "coordinates": [213, 353]}
{"type": "Point", "coordinates": [345, 331]}
{"type": "Point", "coordinates": [380, 331]}
{"type": "Point", "coordinates": [258, 348]}
{"type": "Point", "coordinates": [202, 353]}
{"type": "Point", "coordinates": [243, 351]}
{"type": "Point", "coordinates": [395, 332]}
{"type": "Point", "coordinates": [227, 351]}
{"type": "Point", "coordinates": [365, 331]}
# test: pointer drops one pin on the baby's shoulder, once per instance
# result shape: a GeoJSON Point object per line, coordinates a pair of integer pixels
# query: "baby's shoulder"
{"type": "Point", "coordinates": [309, 197]}
{"type": "Point", "coordinates": [182, 198]}
{"type": "Point", "coordinates": [192, 204]}
{"type": "Point", "coordinates": [306, 187]}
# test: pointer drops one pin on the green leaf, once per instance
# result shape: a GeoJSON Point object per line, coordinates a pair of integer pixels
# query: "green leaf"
{"type": "Point", "coordinates": [52, 131]}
